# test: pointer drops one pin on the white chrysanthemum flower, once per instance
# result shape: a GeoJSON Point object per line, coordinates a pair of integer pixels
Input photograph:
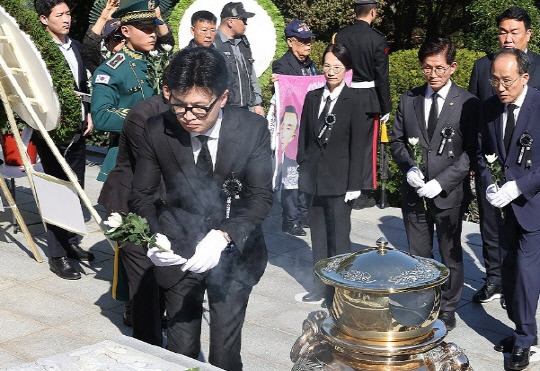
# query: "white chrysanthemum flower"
{"type": "Point", "coordinates": [166, 47]}
{"type": "Point", "coordinates": [153, 53]}
{"type": "Point", "coordinates": [491, 158]}
{"type": "Point", "coordinates": [114, 221]}
{"type": "Point", "coordinates": [413, 141]}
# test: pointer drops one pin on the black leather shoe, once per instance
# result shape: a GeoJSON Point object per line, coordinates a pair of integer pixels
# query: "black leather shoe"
{"type": "Point", "coordinates": [519, 358]}
{"type": "Point", "coordinates": [313, 296]}
{"type": "Point", "coordinates": [127, 318]}
{"type": "Point", "coordinates": [324, 304]}
{"type": "Point", "coordinates": [294, 230]}
{"type": "Point", "coordinates": [506, 345]}
{"type": "Point", "coordinates": [449, 319]}
{"type": "Point", "coordinates": [304, 223]}
{"type": "Point", "coordinates": [503, 303]}
{"type": "Point", "coordinates": [487, 293]}
{"type": "Point", "coordinates": [75, 252]}
{"type": "Point", "coordinates": [62, 268]}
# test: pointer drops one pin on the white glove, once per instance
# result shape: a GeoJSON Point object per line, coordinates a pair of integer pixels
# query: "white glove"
{"type": "Point", "coordinates": [430, 190]}
{"type": "Point", "coordinates": [385, 117]}
{"type": "Point", "coordinates": [352, 195]}
{"type": "Point", "coordinates": [491, 191]}
{"type": "Point", "coordinates": [165, 257]}
{"type": "Point", "coordinates": [415, 178]}
{"type": "Point", "coordinates": [506, 194]}
{"type": "Point", "coordinates": [207, 252]}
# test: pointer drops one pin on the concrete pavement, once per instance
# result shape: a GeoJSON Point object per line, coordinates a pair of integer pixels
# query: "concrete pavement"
{"type": "Point", "coordinates": [42, 315]}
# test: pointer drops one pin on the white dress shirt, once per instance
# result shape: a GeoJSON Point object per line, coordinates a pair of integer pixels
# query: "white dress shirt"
{"type": "Point", "coordinates": [333, 97]}
{"type": "Point", "coordinates": [213, 139]}
{"type": "Point", "coordinates": [518, 103]}
{"type": "Point", "coordinates": [443, 92]}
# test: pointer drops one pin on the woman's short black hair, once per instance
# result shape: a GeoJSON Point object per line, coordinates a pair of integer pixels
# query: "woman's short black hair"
{"type": "Point", "coordinates": [341, 52]}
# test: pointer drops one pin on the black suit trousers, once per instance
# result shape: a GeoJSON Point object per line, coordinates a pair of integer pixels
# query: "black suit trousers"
{"type": "Point", "coordinates": [489, 230]}
{"type": "Point", "coordinates": [295, 208]}
{"type": "Point", "coordinates": [520, 252]}
{"type": "Point", "coordinates": [419, 225]}
{"type": "Point", "coordinates": [143, 294]}
{"type": "Point", "coordinates": [75, 155]}
{"type": "Point", "coordinates": [330, 227]}
{"type": "Point", "coordinates": [227, 306]}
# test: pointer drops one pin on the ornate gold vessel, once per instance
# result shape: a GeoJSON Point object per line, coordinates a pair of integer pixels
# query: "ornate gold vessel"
{"type": "Point", "coordinates": [384, 315]}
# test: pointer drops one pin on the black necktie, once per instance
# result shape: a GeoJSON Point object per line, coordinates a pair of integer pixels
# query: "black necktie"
{"type": "Point", "coordinates": [324, 112]}
{"type": "Point", "coordinates": [204, 160]}
{"type": "Point", "coordinates": [510, 123]}
{"type": "Point", "coordinates": [433, 116]}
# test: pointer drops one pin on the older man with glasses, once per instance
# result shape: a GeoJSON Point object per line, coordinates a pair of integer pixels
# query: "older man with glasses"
{"type": "Point", "coordinates": [433, 140]}
{"type": "Point", "coordinates": [231, 40]}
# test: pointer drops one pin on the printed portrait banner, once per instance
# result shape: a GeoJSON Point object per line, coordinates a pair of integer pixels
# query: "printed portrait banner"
{"type": "Point", "coordinates": [290, 94]}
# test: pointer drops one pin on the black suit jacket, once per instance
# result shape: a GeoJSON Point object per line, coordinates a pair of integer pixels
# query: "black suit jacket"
{"type": "Point", "coordinates": [289, 65]}
{"type": "Point", "coordinates": [117, 187]}
{"type": "Point", "coordinates": [479, 84]}
{"type": "Point", "coordinates": [341, 166]}
{"type": "Point", "coordinates": [461, 111]}
{"type": "Point", "coordinates": [527, 206]}
{"type": "Point", "coordinates": [193, 207]}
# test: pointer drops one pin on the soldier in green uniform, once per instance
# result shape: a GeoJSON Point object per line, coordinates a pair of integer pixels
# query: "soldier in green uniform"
{"type": "Point", "coordinates": [121, 82]}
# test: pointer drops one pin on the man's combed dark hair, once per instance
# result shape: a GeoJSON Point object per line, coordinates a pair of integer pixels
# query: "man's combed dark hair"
{"type": "Point", "coordinates": [436, 46]}
{"type": "Point", "coordinates": [44, 7]}
{"type": "Point", "coordinates": [517, 13]}
{"type": "Point", "coordinates": [203, 16]}
{"type": "Point", "coordinates": [361, 10]}
{"type": "Point", "coordinates": [341, 52]}
{"type": "Point", "coordinates": [200, 67]}
{"type": "Point", "coordinates": [521, 58]}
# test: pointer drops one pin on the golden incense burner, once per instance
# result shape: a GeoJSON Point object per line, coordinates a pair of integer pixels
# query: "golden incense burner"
{"type": "Point", "coordinates": [384, 316]}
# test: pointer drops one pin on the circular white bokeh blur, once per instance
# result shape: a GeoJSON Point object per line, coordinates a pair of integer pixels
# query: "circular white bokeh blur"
{"type": "Point", "coordinates": [260, 31]}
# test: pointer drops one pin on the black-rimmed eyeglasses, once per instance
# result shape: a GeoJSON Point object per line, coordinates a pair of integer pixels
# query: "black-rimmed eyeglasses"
{"type": "Point", "coordinates": [199, 112]}
{"type": "Point", "coordinates": [244, 20]}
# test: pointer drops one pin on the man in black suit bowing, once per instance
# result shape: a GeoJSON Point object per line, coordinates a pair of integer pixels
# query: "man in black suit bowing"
{"type": "Point", "coordinates": [514, 26]}
{"type": "Point", "coordinates": [442, 117]}
{"type": "Point", "coordinates": [216, 166]}
{"type": "Point", "coordinates": [511, 131]}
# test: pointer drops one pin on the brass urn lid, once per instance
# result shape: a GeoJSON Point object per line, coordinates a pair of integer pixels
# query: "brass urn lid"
{"type": "Point", "coordinates": [381, 269]}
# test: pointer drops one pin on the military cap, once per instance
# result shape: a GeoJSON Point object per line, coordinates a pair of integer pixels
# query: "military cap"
{"type": "Point", "coordinates": [365, 2]}
{"type": "Point", "coordinates": [235, 10]}
{"type": "Point", "coordinates": [138, 12]}
{"type": "Point", "coordinates": [111, 26]}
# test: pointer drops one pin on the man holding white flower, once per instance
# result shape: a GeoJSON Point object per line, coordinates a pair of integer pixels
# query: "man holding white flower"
{"type": "Point", "coordinates": [433, 138]}
{"type": "Point", "coordinates": [510, 134]}
{"type": "Point", "coordinates": [209, 156]}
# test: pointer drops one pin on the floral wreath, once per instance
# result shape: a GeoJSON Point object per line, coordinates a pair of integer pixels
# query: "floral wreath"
{"type": "Point", "coordinates": [62, 79]}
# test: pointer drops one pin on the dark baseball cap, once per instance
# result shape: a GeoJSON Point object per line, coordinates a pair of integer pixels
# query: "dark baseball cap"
{"type": "Point", "coordinates": [111, 26]}
{"type": "Point", "coordinates": [235, 10]}
{"type": "Point", "coordinates": [298, 29]}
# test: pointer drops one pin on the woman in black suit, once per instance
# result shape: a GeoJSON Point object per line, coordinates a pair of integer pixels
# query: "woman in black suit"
{"type": "Point", "coordinates": [332, 146]}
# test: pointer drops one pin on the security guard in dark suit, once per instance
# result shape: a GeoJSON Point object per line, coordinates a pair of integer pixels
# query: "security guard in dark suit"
{"type": "Point", "coordinates": [369, 51]}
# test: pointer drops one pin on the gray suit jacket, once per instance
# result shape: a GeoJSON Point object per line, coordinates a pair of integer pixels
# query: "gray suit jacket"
{"type": "Point", "coordinates": [461, 112]}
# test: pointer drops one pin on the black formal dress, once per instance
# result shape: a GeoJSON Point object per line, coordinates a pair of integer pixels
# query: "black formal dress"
{"type": "Point", "coordinates": [460, 112]}
{"type": "Point", "coordinates": [479, 85]}
{"type": "Point", "coordinates": [193, 206]}
{"type": "Point", "coordinates": [327, 172]}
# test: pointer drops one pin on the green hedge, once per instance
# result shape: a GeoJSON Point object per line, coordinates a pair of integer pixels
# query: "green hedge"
{"type": "Point", "coordinates": [70, 118]}
{"type": "Point", "coordinates": [405, 74]}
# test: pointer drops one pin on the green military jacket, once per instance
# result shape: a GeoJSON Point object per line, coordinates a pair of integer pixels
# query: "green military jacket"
{"type": "Point", "coordinates": [119, 83]}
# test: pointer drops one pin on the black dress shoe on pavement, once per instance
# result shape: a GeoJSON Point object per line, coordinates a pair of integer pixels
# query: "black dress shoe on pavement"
{"type": "Point", "coordinates": [294, 230]}
{"type": "Point", "coordinates": [506, 345]}
{"type": "Point", "coordinates": [313, 296]}
{"type": "Point", "coordinates": [75, 252]}
{"type": "Point", "coordinates": [519, 359]}
{"type": "Point", "coordinates": [503, 303]}
{"type": "Point", "coordinates": [488, 293]}
{"type": "Point", "coordinates": [62, 268]}
{"type": "Point", "coordinates": [449, 319]}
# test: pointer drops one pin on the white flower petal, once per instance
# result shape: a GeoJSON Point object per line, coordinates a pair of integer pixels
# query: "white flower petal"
{"type": "Point", "coordinates": [413, 141]}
